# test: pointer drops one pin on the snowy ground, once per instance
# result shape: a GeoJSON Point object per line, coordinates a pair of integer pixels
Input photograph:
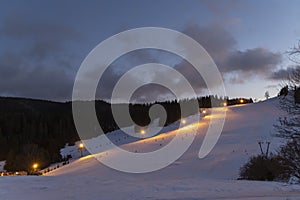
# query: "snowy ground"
{"type": "Point", "coordinates": [213, 177]}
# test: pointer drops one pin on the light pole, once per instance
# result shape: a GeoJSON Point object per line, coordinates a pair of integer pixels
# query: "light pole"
{"type": "Point", "coordinates": [143, 132]}
{"type": "Point", "coordinates": [80, 147]}
{"type": "Point", "coordinates": [35, 166]}
{"type": "Point", "coordinates": [203, 112]}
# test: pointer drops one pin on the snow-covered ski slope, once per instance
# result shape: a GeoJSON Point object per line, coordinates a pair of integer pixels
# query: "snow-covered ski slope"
{"type": "Point", "coordinates": [213, 177]}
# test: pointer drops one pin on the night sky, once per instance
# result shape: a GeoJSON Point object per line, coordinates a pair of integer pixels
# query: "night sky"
{"type": "Point", "coordinates": [43, 43]}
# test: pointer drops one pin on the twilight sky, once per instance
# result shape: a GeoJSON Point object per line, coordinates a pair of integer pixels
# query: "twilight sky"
{"type": "Point", "coordinates": [44, 42]}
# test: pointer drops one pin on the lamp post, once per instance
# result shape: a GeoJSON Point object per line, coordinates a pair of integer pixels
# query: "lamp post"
{"type": "Point", "coordinates": [35, 166]}
{"type": "Point", "coordinates": [143, 132]}
{"type": "Point", "coordinates": [80, 147]}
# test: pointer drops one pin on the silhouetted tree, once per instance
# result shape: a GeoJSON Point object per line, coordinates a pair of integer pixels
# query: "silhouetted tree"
{"type": "Point", "coordinates": [284, 91]}
{"type": "Point", "coordinates": [288, 126]}
{"type": "Point", "coordinates": [289, 158]}
{"type": "Point", "coordinates": [267, 95]}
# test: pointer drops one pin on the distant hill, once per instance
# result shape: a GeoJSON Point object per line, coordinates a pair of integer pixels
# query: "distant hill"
{"type": "Point", "coordinates": [33, 129]}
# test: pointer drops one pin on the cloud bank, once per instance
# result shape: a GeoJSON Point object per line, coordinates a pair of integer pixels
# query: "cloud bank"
{"type": "Point", "coordinates": [39, 61]}
{"type": "Point", "coordinates": [36, 62]}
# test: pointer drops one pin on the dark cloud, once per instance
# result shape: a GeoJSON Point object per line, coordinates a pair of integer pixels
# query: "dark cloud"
{"type": "Point", "coordinates": [154, 93]}
{"type": "Point", "coordinates": [192, 75]}
{"type": "Point", "coordinates": [216, 40]}
{"type": "Point", "coordinates": [20, 77]}
{"type": "Point", "coordinates": [35, 62]}
{"type": "Point", "coordinates": [252, 60]}
{"type": "Point", "coordinates": [41, 62]}
{"type": "Point", "coordinates": [235, 65]}
{"type": "Point", "coordinates": [123, 64]}
{"type": "Point", "coordinates": [283, 74]}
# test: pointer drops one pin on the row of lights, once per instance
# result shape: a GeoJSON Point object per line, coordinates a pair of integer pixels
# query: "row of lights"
{"type": "Point", "coordinates": [142, 132]}
{"type": "Point", "coordinates": [36, 165]}
{"type": "Point", "coordinates": [240, 101]}
{"type": "Point", "coordinates": [183, 121]}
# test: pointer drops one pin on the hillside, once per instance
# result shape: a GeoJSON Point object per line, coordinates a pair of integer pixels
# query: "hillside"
{"type": "Point", "coordinates": [37, 129]}
{"type": "Point", "coordinates": [244, 127]}
{"type": "Point", "coordinates": [213, 177]}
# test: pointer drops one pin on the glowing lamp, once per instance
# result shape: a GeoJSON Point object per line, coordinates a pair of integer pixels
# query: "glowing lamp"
{"type": "Point", "coordinates": [80, 148]}
{"type": "Point", "coordinates": [35, 166]}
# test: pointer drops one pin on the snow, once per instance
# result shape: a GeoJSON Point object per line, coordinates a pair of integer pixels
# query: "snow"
{"type": "Point", "coordinates": [213, 177]}
{"type": "Point", "coordinates": [136, 187]}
